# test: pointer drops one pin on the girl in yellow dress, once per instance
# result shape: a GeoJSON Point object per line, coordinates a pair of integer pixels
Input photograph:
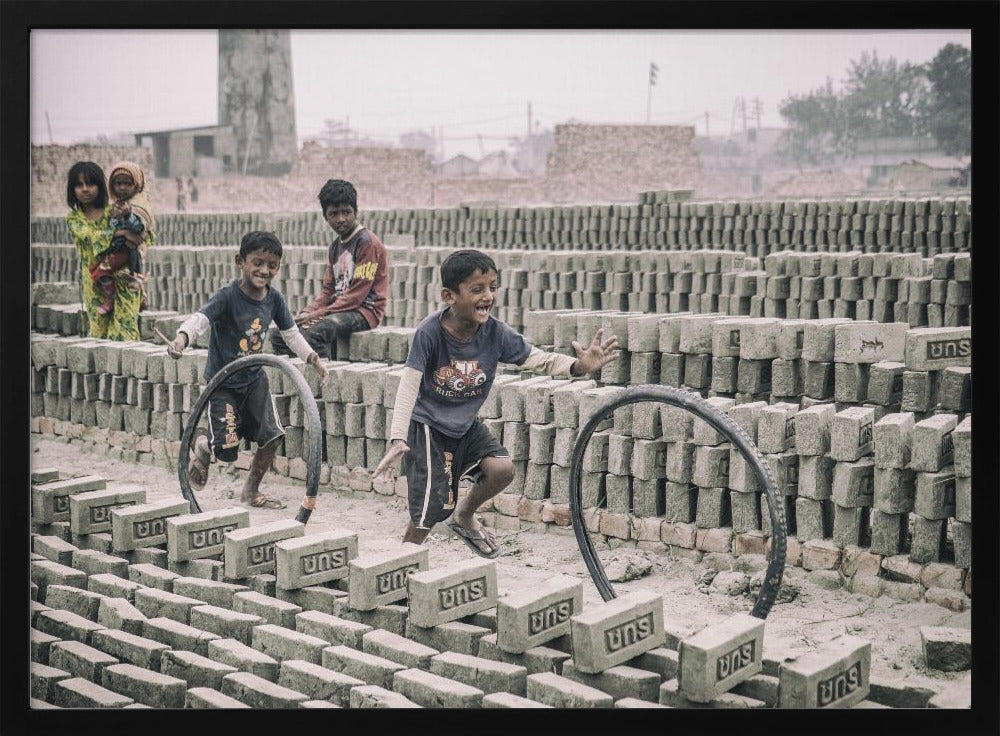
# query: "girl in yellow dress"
{"type": "Point", "coordinates": [87, 197]}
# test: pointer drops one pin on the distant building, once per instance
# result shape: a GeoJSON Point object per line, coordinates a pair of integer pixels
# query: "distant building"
{"type": "Point", "coordinates": [878, 157]}
{"type": "Point", "coordinates": [532, 152]}
{"type": "Point", "coordinates": [420, 139]}
{"type": "Point", "coordinates": [204, 151]}
{"type": "Point", "coordinates": [932, 172]}
{"type": "Point", "coordinates": [458, 166]}
{"type": "Point", "coordinates": [497, 165]}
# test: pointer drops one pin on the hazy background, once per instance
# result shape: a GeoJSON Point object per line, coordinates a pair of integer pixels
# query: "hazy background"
{"type": "Point", "coordinates": [474, 85]}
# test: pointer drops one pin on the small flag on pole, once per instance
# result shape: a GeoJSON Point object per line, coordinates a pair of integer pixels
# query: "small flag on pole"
{"type": "Point", "coordinates": [653, 68]}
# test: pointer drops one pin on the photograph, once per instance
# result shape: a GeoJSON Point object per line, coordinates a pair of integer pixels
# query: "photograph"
{"type": "Point", "coordinates": [463, 366]}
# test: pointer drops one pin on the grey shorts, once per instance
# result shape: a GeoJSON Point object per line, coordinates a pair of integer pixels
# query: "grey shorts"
{"type": "Point", "coordinates": [246, 412]}
{"type": "Point", "coordinates": [432, 486]}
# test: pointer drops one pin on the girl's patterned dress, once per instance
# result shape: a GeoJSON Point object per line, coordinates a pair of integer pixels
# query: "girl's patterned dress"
{"type": "Point", "coordinates": [90, 239]}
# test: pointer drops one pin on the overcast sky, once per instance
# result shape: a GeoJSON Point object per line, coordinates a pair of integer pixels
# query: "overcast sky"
{"type": "Point", "coordinates": [470, 82]}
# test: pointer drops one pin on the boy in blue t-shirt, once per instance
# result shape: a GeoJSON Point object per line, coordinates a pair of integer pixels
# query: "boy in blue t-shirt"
{"type": "Point", "coordinates": [448, 374]}
{"type": "Point", "coordinates": [240, 315]}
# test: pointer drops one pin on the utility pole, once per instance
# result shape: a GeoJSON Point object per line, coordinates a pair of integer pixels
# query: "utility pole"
{"type": "Point", "coordinates": [49, 125]}
{"type": "Point", "coordinates": [743, 111]}
{"type": "Point", "coordinates": [758, 109]}
{"type": "Point", "coordinates": [653, 68]}
{"type": "Point", "coordinates": [531, 143]}
{"type": "Point", "coordinates": [706, 123]}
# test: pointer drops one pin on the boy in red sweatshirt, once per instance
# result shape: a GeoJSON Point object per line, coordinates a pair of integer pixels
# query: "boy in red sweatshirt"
{"type": "Point", "coordinates": [356, 282]}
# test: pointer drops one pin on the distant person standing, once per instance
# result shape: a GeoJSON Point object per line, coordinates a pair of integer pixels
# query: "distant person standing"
{"type": "Point", "coordinates": [192, 189]}
{"type": "Point", "coordinates": [181, 195]}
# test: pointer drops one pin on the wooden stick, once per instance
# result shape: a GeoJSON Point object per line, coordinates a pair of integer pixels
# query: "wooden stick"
{"type": "Point", "coordinates": [162, 336]}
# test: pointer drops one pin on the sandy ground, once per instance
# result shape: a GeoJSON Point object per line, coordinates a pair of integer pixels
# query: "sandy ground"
{"type": "Point", "coordinates": [813, 615]}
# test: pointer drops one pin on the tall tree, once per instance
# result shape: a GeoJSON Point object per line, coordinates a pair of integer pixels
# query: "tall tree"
{"type": "Point", "coordinates": [814, 135]}
{"type": "Point", "coordinates": [883, 98]}
{"type": "Point", "coordinates": [949, 107]}
{"type": "Point", "coordinates": [879, 98]}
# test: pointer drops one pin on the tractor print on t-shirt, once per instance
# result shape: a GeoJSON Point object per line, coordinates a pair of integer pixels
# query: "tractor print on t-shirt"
{"type": "Point", "coordinates": [252, 343]}
{"type": "Point", "coordinates": [462, 378]}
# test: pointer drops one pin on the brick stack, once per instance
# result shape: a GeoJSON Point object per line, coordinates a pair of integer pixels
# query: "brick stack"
{"type": "Point", "coordinates": [182, 278]}
{"type": "Point", "coordinates": [927, 226]}
{"type": "Point", "coordinates": [590, 162]}
{"type": "Point", "coordinates": [854, 452]}
{"type": "Point", "coordinates": [202, 611]}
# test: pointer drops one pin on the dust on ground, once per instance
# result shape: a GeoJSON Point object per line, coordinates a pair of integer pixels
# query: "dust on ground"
{"type": "Point", "coordinates": [806, 615]}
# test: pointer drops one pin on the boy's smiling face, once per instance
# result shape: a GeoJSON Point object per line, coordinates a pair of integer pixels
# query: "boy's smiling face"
{"type": "Point", "coordinates": [342, 218]}
{"type": "Point", "coordinates": [257, 269]}
{"type": "Point", "coordinates": [475, 297]}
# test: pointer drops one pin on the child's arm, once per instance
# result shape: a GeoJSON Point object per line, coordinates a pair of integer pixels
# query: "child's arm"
{"type": "Point", "coordinates": [294, 339]}
{"type": "Point", "coordinates": [406, 398]}
{"type": "Point", "coordinates": [187, 333]}
{"type": "Point", "coordinates": [596, 356]}
{"type": "Point", "coordinates": [132, 229]}
{"type": "Point", "coordinates": [302, 349]}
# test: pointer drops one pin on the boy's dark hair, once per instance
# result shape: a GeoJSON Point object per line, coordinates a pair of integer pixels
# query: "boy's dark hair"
{"type": "Point", "coordinates": [336, 192]}
{"type": "Point", "coordinates": [461, 264]}
{"type": "Point", "coordinates": [260, 240]}
{"type": "Point", "coordinates": [92, 174]}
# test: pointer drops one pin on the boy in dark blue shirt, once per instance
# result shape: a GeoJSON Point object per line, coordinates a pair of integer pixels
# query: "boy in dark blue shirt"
{"type": "Point", "coordinates": [448, 374]}
{"type": "Point", "coordinates": [240, 315]}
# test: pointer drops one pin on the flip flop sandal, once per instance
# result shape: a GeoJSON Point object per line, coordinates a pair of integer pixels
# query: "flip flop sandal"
{"type": "Point", "coordinates": [470, 538]}
{"type": "Point", "coordinates": [197, 471]}
{"type": "Point", "coordinates": [261, 501]}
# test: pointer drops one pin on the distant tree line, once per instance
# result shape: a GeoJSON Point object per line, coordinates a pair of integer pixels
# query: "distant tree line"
{"type": "Point", "coordinates": [883, 98]}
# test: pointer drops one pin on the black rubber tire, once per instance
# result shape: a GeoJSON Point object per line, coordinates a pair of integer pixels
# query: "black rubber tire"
{"type": "Point", "coordinates": [312, 437]}
{"type": "Point", "coordinates": [725, 426]}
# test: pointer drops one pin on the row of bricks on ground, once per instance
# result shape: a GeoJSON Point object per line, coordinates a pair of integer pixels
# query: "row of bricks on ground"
{"type": "Point", "coordinates": [756, 243]}
{"type": "Point", "coordinates": [901, 464]}
{"type": "Point", "coordinates": [650, 204]}
{"type": "Point", "coordinates": [167, 621]}
{"type": "Point", "coordinates": [753, 242]}
{"type": "Point", "coordinates": [71, 320]}
{"type": "Point", "coordinates": [690, 521]}
{"type": "Point", "coordinates": [930, 292]}
{"type": "Point", "coordinates": [465, 642]}
{"type": "Point", "coordinates": [299, 262]}
{"type": "Point", "coordinates": [526, 414]}
{"type": "Point", "coordinates": [372, 385]}
{"type": "Point", "coordinates": [820, 359]}
{"type": "Point", "coordinates": [897, 216]}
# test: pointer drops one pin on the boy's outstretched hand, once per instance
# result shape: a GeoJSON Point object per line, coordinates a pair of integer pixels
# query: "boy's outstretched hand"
{"type": "Point", "coordinates": [597, 355]}
{"type": "Point", "coordinates": [318, 366]}
{"type": "Point", "coordinates": [176, 346]}
{"type": "Point", "coordinates": [397, 448]}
